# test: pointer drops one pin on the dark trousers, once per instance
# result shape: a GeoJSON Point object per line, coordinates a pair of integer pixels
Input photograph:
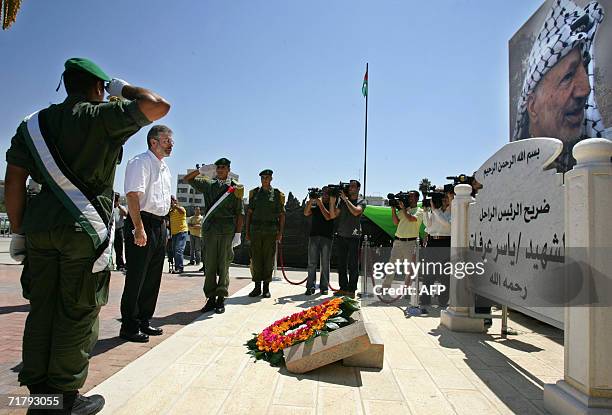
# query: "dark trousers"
{"type": "Point", "coordinates": [65, 300]}
{"type": "Point", "coordinates": [437, 250]}
{"type": "Point", "coordinates": [348, 259]}
{"type": "Point", "coordinates": [263, 248]}
{"type": "Point", "coordinates": [118, 245]}
{"type": "Point", "coordinates": [195, 248]}
{"type": "Point", "coordinates": [219, 256]}
{"type": "Point", "coordinates": [143, 276]}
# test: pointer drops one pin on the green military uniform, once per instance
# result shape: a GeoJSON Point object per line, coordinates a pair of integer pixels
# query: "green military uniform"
{"type": "Point", "coordinates": [266, 207]}
{"type": "Point", "coordinates": [65, 295]}
{"type": "Point", "coordinates": [218, 230]}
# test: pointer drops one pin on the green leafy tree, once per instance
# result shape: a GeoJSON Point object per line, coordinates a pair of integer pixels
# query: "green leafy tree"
{"type": "Point", "coordinates": [424, 185]}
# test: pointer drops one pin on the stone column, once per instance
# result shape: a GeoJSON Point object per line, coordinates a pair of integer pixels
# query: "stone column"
{"type": "Point", "coordinates": [457, 316]}
{"type": "Point", "coordinates": [587, 384]}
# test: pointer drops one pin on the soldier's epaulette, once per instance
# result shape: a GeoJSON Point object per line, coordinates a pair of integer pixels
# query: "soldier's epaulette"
{"type": "Point", "coordinates": [282, 198]}
{"type": "Point", "coordinates": [239, 192]}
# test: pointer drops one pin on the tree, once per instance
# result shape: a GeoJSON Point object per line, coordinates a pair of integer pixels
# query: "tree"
{"type": "Point", "coordinates": [8, 11]}
{"type": "Point", "coordinates": [424, 185]}
{"type": "Point", "coordinates": [292, 202]}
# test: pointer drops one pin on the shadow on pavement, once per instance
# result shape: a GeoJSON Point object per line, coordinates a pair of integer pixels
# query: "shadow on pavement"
{"type": "Point", "coordinates": [104, 345]}
{"type": "Point", "coordinates": [21, 308]}
{"type": "Point", "coordinates": [506, 378]}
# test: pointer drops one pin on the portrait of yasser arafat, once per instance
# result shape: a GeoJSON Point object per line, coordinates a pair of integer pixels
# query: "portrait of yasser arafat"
{"type": "Point", "coordinates": [561, 75]}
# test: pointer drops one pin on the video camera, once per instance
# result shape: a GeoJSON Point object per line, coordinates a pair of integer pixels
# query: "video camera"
{"type": "Point", "coordinates": [433, 197]}
{"type": "Point", "coordinates": [314, 192]}
{"type": "Point", "coordinates": [336, 189]}
{"type": "Point", "coordinates": [461, 179]}
{"type": "Point", "coordinates": [396, 198]}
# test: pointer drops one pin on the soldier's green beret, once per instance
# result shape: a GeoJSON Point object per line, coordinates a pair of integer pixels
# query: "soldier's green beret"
{"type": "Point", "coordinates": [85, 65]}
{"type": "Point", "coordinates": [266, 172]}
{"type": "Point", "coordinates": [222, 162]}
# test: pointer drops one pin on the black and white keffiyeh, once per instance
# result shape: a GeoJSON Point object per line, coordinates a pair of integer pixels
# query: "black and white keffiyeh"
{"type": "Point", "coordinates": [566, 27]}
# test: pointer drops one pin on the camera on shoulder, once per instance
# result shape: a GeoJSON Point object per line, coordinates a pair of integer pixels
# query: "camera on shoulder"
{"type": "Point", "coordinates": [432, 197]}
{"type": "Point", "coordinates": [336, 189]}
{"type": "Point", "coordinates": [461, 179]}
{"type": "Point", "coordinates": [395, 198]}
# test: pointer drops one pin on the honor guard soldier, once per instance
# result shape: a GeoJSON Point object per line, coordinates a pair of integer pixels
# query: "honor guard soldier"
{"type": "Point", "coordinates": [65, 233]}
{"type": "Point", "coordinates": [264, 228]}
{"type": "Point", "coordinates": [221, 229]}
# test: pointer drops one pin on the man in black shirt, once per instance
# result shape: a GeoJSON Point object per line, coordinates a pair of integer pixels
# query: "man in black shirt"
{"type": "Point", "coordinates": [348, 212]}
{"type": "Point", "coordinates": [320, 241]}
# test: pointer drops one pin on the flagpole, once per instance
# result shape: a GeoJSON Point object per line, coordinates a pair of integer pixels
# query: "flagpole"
{"type": "Point", "coordinates": [365, 150]}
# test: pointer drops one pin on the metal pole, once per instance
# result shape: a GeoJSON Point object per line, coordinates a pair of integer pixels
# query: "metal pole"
{"type": "Point", "coordinates": [275, 263]}
{"type": "Point", "coordinates": [364, 266]}
{"type": "Point", "coordinates": [365, 150]}
{"type": "Point", "coordinates": [504, 321]}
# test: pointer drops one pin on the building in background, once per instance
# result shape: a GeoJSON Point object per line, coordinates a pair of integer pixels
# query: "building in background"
{"type": "Point", "coordinates": [187, 196]}
{"type": "Point", "coordinates": [375, 200]}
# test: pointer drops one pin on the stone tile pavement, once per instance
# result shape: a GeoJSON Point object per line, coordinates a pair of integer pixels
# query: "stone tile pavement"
{"type": "Point", "coordinates": [203, 368]}
{"type": "Point", "coordinates": [179, 302]}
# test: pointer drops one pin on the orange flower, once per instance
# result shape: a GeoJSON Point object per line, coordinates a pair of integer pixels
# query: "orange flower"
{"type": "Point", "coordinates": [273, 338]}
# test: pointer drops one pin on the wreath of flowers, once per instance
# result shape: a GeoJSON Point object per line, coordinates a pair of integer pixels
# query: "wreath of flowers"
{"type": "Point", "coordinates": [304, 326]}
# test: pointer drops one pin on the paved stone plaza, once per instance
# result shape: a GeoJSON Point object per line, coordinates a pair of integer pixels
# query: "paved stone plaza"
{"type": "Point", "coordinates": [201, 367]}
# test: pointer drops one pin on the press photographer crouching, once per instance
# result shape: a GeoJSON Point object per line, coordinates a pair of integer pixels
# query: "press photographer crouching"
{"type": "Point", "coordinates": [408, 218]}
{"type": "Point", "coordinates": [437, 219]}
{"type": "Point", "coordinates": [346, 206]}
{"type": "Point", "coordinates": [320, 240]}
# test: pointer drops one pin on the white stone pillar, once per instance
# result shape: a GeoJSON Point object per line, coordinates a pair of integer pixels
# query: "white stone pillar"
{"type": "Point", "coordinates": [587, 384]}
{"type": "Point", "coordinates": [457, 316]}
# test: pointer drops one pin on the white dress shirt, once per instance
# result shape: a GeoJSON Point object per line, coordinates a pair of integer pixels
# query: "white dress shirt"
{"type": "Point", "coordinates": [437, 222]}
{"type": "Point", "coordinates": [151, 178]}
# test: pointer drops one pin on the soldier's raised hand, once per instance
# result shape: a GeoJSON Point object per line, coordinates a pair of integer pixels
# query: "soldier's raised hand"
{"type": "Point", "coordinates": [115, 87]}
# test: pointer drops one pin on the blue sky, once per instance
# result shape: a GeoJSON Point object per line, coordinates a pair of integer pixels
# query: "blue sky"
{"type": "Point", "coordinates": [277, 84]}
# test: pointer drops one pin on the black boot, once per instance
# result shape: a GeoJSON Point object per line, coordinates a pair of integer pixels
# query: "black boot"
{"type": "Point", "coordinates": [266, 290]}
{"type": "Point", "coordinates": [256, 291]}
{"type": "Point", "coordinates": [87, 405]}
{"type": "Point", "coordinates": [220, 307]}
{"type": "Point", "coordinates": [210, 305]}
{"type": "Point", "coordinates": [36, 389]}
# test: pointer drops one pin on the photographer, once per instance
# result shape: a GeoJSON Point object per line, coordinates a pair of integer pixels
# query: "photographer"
{"type": "Point", "coordinates": [348, 211]}
{"type": "Point", "coordinates": [320, 240]}
{"type": "Point", "coordinates": [406, 243]}
{"type": "Point", "coordinates": [437, 219]}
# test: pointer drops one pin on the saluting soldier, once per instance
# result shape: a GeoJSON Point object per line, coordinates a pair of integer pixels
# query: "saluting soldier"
{"type": "Point", "coordinates": [221, 229]}
{"type": "Point", "coordinates": [72, 149]}
{"type": "Point", "coordinates": [265, 225]}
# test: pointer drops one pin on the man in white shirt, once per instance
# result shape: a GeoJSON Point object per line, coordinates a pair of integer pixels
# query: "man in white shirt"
{"type": "Point", "coordinates": [437, 219]}
{"type": "Point", "coordinates": [147, 188]}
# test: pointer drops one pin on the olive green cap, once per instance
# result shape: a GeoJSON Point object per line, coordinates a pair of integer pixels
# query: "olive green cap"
{"type": "Point", "coordinates": [222, 162]}
{"type": "Point", "coordinates": [266, 172]}
{"type": "Point", "coordinates": [85, 65]}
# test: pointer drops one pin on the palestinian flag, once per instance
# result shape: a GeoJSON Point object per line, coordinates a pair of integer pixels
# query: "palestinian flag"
{"type": "Point", "coordinates": [364, 87]}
